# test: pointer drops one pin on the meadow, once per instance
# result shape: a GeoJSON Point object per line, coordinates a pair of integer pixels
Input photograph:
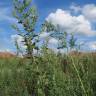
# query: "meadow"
{"type": "Point", "coordinates": [49, 75]}
{"type": "Point", "coordinates": [48, 72]}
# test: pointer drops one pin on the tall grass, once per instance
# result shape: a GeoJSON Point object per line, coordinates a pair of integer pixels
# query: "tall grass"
{"type": "Point", "coordinates": [49, 75]}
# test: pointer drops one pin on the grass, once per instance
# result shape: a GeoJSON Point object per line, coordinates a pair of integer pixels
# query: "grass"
{"type": "Point", "coordinates": [49, 75]}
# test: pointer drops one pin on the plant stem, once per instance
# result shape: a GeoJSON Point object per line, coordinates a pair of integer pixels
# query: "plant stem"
{"type": "Point", "coordinates": [79, 78]}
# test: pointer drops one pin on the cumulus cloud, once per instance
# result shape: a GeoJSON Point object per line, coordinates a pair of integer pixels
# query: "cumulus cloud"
{"type": "Point", "coordinates": [53, 41]}
{"type": "Point", "coordinates": [43, 35]}
{"type": "Point", "coordinates": [89, 11]}
{"type": "Point", "coordinates": [77, 24]}
{"type": "Point", "coordinates": [75, 8]}
{"type": "Point", "coordinates": [19, 40]}
{"type": "Point", "coordinates": [92, 45]}
{"type": "Point", "coordinates": [17, 37]}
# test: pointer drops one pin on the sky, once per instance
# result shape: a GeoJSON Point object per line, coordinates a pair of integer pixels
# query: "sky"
{"type": "Point", "coordinates": [78, 16]}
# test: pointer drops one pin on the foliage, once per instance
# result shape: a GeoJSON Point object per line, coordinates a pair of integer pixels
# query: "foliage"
{"type": "Point", "coordinates": [27, 17]}
{"type": "Point", "coordinates": [72, 41]}
{"type": "Point", "coordinates": [47, 76]}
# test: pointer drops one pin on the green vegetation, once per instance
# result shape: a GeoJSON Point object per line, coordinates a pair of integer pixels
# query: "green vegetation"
{"type": "Point", "coordinates": [48, 73]}
{"type": "Point", "coordinates": [27, 17]}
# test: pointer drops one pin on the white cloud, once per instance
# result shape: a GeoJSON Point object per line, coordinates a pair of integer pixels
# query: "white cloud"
{"type": "Point", "coordinates": [16, 37]}
{"type": "Point", "coordinates": [19, 40]}
{"type": "Point", "coordinates": [5, 50]}
{"type": "Point", "coordinates": [5, 14]}
{"type": "Point", "coordinates": [89, 11]}
{"type": "Point", "coordinates": [75, 8]}
{"type": "Point", "coordinates": [43, 35]}
{"type": "Point", "coordinates": [77, 24]}
{"type": "Point", "coordinates": [53, 41]}
{"type": "Point", "coordinates": [92, 45]}
{"type": "Point", "coordinates": [58, 50]}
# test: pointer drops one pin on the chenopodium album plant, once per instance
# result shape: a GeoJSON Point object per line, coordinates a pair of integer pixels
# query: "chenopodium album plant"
{"type": "Point", "coordinates": [27, 18]}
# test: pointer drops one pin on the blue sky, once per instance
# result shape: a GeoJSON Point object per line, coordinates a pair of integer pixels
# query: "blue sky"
{"type": "Point", "coordinates": [83, 12]}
